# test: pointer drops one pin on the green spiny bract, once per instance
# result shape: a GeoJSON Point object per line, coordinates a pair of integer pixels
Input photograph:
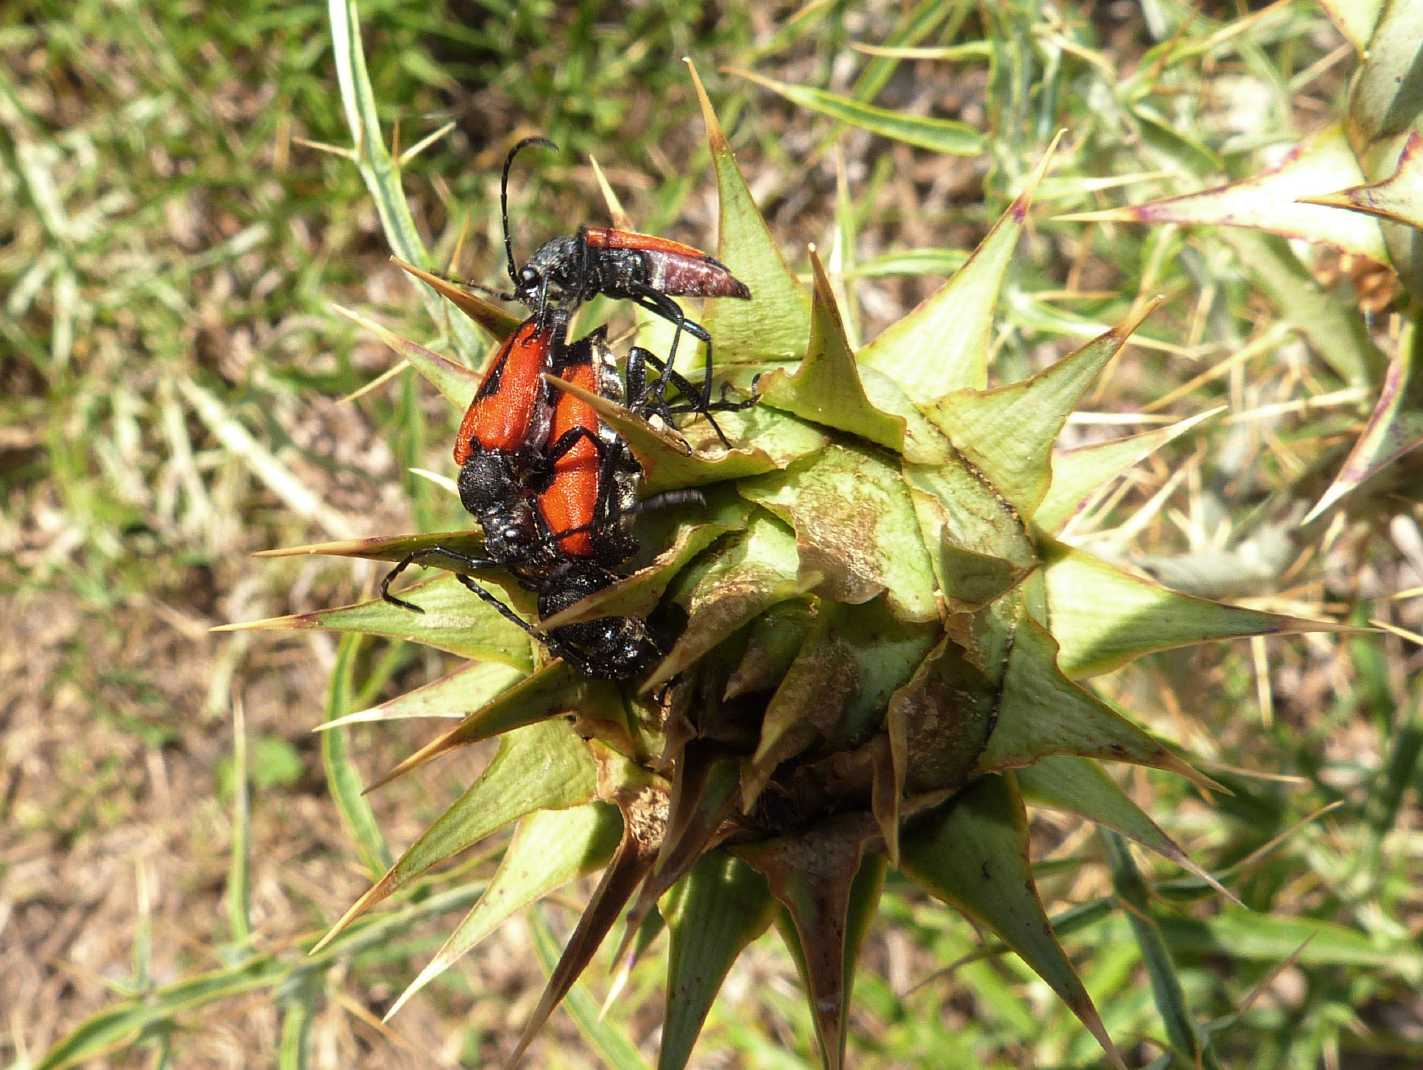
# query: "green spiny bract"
{"type": "Point", "coordinates": [1354, 187]}
{"type": "Point", "coordinates": [881, 661]}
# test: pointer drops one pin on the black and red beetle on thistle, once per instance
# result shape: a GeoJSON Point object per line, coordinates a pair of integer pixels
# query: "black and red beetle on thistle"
{"type": "Point", "coordinates": [553, 488]}
{"type": "Point", "coordinates": [501, 443]}
{"type": "Point", "coordinates": [550, 485]}
{"type": "Point", "coordinates": [642, 268]}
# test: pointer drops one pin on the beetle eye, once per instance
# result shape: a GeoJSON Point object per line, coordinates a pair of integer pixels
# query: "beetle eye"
{"type": "Point", "coordinates": [528, 278]}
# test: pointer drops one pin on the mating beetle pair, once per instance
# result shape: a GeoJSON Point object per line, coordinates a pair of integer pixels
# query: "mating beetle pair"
{"type": "Point", "coordinates": [553, 491]}
{"type": "Point", "coordinates": [553, 488]}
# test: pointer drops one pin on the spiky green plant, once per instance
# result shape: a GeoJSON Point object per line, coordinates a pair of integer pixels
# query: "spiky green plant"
{"type": "Point", "coordinates": [1356, 187]}
{"type": "Point", "coordinates": [882, 663]}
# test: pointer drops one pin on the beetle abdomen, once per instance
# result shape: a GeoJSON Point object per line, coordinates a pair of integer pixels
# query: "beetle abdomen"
{"type": "Point", "coordinates": [681, 276]}
{"type": "Point", "coordinates": [670, 267]}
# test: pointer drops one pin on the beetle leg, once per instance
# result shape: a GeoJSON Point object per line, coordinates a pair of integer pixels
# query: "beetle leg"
{"type": "Point", "coordinates": [418, 557]}
{"type": "Point", "coordinates": [635, 385]}
{"type": "Point", "coordinates": [476, 563]}
{"type": "Point", "coordinates": [697, 400]}
{"type": "Point", "coordinates": [571, 438]}
{"type": "Point", "coordinates": [660, 304]}
{"type": "Point", "coordinates": [542, 311]}
{"type": "Point", "coordinates": [635, 377]}
{"type": "Point", "coordinates": [700, 401]}
{"type": "Point", "coordinates": [669, 309]}
{"type": "Point", "coordinates": [609, 509]}
{"type": "Point", "coordinates": [504, 611]}
{"type": "Point", "coordinates": [668, 499]}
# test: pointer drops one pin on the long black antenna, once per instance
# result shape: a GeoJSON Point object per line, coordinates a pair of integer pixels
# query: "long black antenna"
{"type": "Point", "coordinates": [504, 198]}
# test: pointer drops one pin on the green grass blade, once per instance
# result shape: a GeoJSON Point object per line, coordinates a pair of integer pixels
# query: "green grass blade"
{"type": "Point", "coordinates": [1257, 937]}
{"type": "Point", "coordinates": [912, 28]}
{"type": "Point", "coordinates": [947, 136]}
{"type": "Point", "coordinates": [380, 172]}
{"type": "Point", "coordinates": [606, 1039]}
{"type": "Point", "coordinates": [238, 440]}
{"type": "Point", "coordinates": [120, 1025]}
{"type": "Point", "coordinates": [1336, 331]}
{"type": "Point", "coordinates": [1383, 807]}
{"type": "Point", "coordinates": [112, 1029]}
{"type": "Point", "coordinates": [297, 1014]}
{"type": "Point", "coordinates": [239, 879]}
{"type": "Point", "coordinates": [1166, 986]}
{"type": "Point", "coordinates": [944, 344]}
{"type": "Point", "coordinates": [342, 779]}
{"type": "Point", "coordinates": [910, 262]}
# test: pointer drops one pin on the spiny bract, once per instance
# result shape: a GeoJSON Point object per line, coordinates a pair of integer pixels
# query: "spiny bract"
{"type": "Point", "coordinates": [1354, 187]}
{"type": "Point", "coordinates": [881, 661]}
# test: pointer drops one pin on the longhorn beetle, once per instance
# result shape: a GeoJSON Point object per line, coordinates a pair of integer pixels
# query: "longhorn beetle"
{"type": "Point", "coordinates": [501, 440]}
{"type": "Point", "coordinates": [642, 268]}
{"type": "Point", "coordinates": [591, 489]}
{"type": "Point", "coordinates": [563, 532]}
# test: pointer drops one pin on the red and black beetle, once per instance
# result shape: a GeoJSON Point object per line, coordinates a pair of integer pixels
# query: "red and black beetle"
{"type": "Point", "coordinates": [555, 516]}
{"type": "Point", "coordinates": [642, 268]}
{"type": "Point", "coordinates": [501, 440]}
{"type": "Point", "coordinates": [591, 489]}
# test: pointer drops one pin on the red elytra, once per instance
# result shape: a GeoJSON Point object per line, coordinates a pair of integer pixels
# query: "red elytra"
{"type": "Point", "coordinates": [505, 412]}
{"type": "Point", "coordinates": [614, 238]}
{"type": "Point", "coordinates": [569, 503]}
